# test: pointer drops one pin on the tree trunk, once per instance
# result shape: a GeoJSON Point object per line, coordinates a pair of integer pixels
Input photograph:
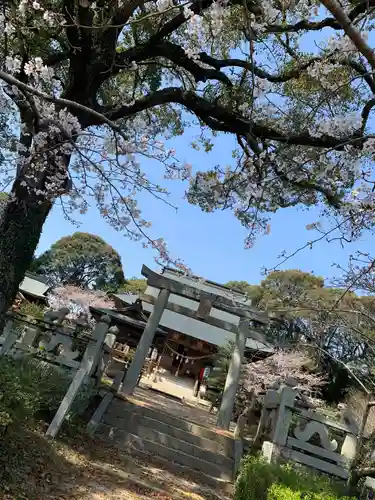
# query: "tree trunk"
{"type": "Point", "coordinates": [21, 223]}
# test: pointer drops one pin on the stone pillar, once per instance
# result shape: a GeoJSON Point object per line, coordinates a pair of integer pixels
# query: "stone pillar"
{"type": "Point", "coordinates": [233, 377]}
{"type": "Point", "coordinates": [144, 345]}
{"type": "Point", "coordinates": [88, 364]}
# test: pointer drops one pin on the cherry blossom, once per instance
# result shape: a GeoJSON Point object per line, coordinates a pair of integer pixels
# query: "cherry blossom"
{"type": "Point", "coordinates": [78, 301]}
{"type": "Point", "coordinates": [94, 93]}
{"type": "Point", "coordinates": [277, 369]}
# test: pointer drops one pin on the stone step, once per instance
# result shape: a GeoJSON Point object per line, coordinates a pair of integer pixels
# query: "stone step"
{"type": "Point", "coordinates": [131, 422]}
{"type": "Point", "coordinates": [125, 440]}
{"type": "Point", "coordinates": [120, 408]}
{"type": "Point", "coordinates": [223, 489]}
{"type": "Point", "coordinates": [164, 438]}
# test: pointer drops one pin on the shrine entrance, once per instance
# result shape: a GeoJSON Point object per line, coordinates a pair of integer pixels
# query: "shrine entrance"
{"type": "Point", "coordinates": [194, 324]}
{"type": "Point", "coordinates": [179, 366]}
{"type": "Point", "coordinates": [230, 319]}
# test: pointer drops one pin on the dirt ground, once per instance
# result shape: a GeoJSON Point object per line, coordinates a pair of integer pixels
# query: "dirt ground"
{"type": "Point", "coordinates": [76, 467]}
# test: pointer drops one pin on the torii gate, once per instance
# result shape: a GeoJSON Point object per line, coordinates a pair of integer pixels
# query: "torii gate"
{"type": "Point", "coordinates": [249, 317]}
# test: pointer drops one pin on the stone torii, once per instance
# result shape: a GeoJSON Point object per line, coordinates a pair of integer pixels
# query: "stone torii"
{"type": "Point", "coordinates": [246, 328]}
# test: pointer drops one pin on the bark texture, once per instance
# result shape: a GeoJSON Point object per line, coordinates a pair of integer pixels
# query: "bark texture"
{"type": "Point", "coordinates": [21, 223]}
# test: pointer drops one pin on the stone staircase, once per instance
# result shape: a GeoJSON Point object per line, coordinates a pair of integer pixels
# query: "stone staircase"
{"type": "Point", "coordinates": [203, 454]}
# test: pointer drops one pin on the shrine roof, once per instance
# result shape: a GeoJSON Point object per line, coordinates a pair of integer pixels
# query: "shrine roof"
{"type": "Point", "coordinates": [193, 328]}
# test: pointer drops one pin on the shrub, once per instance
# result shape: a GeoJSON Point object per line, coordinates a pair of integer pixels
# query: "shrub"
{"type": "Point", "coordinates": [280, 492]}
{"type": "Point", "coordinates": [29, 387]}
{"type": "Point", "coordinates": [32, 309]}
{"type": "Point", "coordinates": [259, 480]}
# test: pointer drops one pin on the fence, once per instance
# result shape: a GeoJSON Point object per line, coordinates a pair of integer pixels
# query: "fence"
{"type": "Point", "coordinates": [310, 439]}
{"type": "Point", "coordinates": [49, 340]}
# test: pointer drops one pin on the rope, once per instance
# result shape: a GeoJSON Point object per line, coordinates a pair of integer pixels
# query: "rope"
{"type": "Point", "coordinates": [193, 358]}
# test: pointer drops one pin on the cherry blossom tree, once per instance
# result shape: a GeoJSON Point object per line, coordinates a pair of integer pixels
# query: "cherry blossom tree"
{"type": "Point", "coordinates": [279, 368]}
{"type": "Point", "coordinates": [91, 87]}
{"type": "Point", "coordinates": [78, 301]}
{"type": "Point", "coordinates": [359, 275]}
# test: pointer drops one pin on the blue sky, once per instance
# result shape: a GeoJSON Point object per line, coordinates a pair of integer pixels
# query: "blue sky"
{"type": "Point", "coordinates": [212, 245]}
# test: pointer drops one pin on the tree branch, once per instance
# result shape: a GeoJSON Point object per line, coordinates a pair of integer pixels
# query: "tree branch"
{"type": "Point", "coordinates": [173, 53]}
{"type": "Point", "coordinates": [123, 14]}
{"type": "Point", "coordinates": [365, 471]}
{"type": "Point", "coordinates": [361, 70]}
{"type": "Point", "coordinates": [222, 119]}
{"type": "Point", "coordinates": [56, 58]}
{"type": "Point", "coordinates": [351, 31]}
{"type": "Point", "coordinates": [366, 113]}
{"type": "Point", "coordinates": [278, 78]}
{"type": "Point", "coordinates": [304, 25]}
{"type": "Point", "coordinates": [328, 22]}
{"type": "Point", "coordinates": [83, 112]}
{"type": "Point", "coordinates": [287, 75]}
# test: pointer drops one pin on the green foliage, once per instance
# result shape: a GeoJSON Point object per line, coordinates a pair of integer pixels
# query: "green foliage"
{"type": "Point", "coordinates": [290, 287]}
{"type": "Point", "coordinates": [280, 492]}
{"type": "Point", "coordinates": [321, 316]}
{"type": "Point", "coordinates": [259, 480]}
{"type": "Point", "coordinates": [280, 287]}
{"type": "Point", "coordinates": [216, 380]}
{"type": "Point", "coordinates": [32, 309]}
{"type": "Point", "coordinates": [29, 387]}
{"type": "Point", "coordinates": [153, 77]}
{"type": "Point", "coordinates": [309, 87]}
{"type": "Point", "coordinates": [129, 355]}
{"type": "Point", "coordinates": [133, 285]}
{"type": "Point", "coordinates": [82, 259]}
{"type": "Point", "coordinates": [253, 292]}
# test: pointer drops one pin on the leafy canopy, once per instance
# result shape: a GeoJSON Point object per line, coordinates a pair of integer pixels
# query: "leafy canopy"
{"type": "Point", "coordinates": [336, 324]}
{"type": "Point", "coordinates": [97, 86]}
{"type": "Point", "coordinates": [134, 286]}
{"type": "Point", "coordinates": [83, 260]}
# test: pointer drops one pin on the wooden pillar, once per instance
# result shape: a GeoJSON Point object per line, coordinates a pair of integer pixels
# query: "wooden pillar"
{"type": "Point", "coordinates": [144, 345]}
{"type": "Point", "coordinates": [233, 377]}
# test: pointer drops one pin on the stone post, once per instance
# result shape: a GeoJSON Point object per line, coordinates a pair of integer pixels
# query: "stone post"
{"type": "Point", "coordinates": [109, 342]}
{"type": "Point", "coordinates": [9, 337]}
{"type": "Point", "coordinates": [233, 377]}
{"type": "Point", "coordinates": [144, 345]}
{"type": "Point", "coordinates": [271, 450]}
{"type": "Point", "coordinates": [88, 364]}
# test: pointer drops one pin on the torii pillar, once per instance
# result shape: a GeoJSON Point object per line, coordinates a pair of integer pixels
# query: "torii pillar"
{"type": "Point", "coordinates": [132, 375]}
{"type": "Point", "coordinates": [233, 376]}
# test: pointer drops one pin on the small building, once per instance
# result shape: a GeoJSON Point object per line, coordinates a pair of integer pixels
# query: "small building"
{"type": "Point", "coordinates": [182, 345]}
{"type": "Point", "coordinates": [34, 288]}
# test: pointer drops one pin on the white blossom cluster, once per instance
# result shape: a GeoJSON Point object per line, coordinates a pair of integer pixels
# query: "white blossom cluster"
{"type": "Point", "coordinates": [217, 15]}
{"type": "Point", "coordinates": [321, 71]}
{"type": "Point", "coordinates": [163, 5]}
{"type": "Point", "coordinates": [339, 126]}
{"type": "Point", "coordinates": [342, 45]}
{"type": "Point", "coordinates": [32, 6]}
{"type": "Point", "coordinates": [105, 165]}
{"type": "Point", "coordinates": [277, 369]}
{"type": "Point", "coordinates": [78, 301]}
